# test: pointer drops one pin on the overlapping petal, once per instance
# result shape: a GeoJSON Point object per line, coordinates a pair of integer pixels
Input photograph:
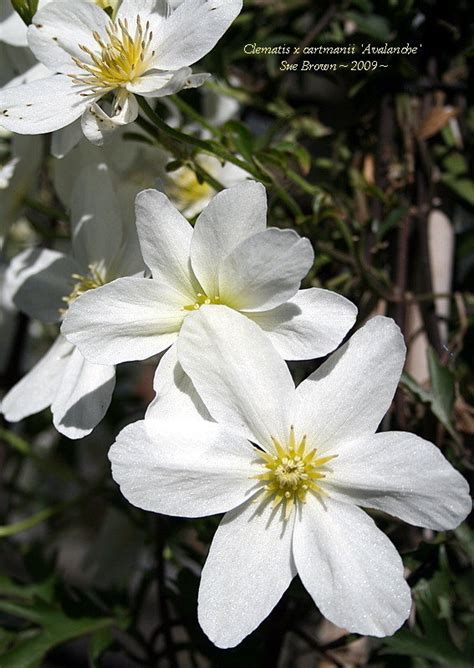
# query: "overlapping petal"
{"type": "Point", "coordinates": [38, 388]}
{"type": "Point", "coordinates": [264, 270]}
{"type": "Point", "coordinates": [165, 239]}
{"type": "Point", "coordinates": [83, 396]}
{"type": "Point", "coordinates": [213, 349]}
{"type": "Point", "coordinates": [98, 126]}
{"type": "Point", "coordinates": [189, 469]}
{"type": "Point", "coordinates": [350, 568]}
{"type": "Point", "coordinates": [350, 393]}
{"type": "Point", "coordinates": [128, 319]}
{"type": "Point", "coordinates": [403, 475]}
{"type": "Point", "coordinates": [310, 324]}
{"type": "Point", "coordinates": [176, 397]}
{"type": "Point", "coordinates": [38, 279]}
{"type": "Point", "coordinates": [232, 216]}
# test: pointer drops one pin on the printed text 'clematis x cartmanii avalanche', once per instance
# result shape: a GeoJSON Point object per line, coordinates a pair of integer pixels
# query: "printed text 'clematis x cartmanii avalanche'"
{"type": "Point", "coordinates": [290, 468]}
{"type": "Point", "coordinates": [230, 258]}
{"type": "Point", "coordinates": [90, 54]}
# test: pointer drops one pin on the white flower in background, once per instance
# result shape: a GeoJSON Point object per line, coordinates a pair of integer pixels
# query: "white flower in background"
{"type": "Point", "coordinates": [44, 283]}
{"type": "Point", "coordinates": [138, 51]}
{"type": "Point", "coordinates": [290, 468]}
{"type": "Point", "coordinates": [133, 166]}
{"type": "Point", "coordinates": [12, 28]}
{"type": "Point", "coordinates": [189, 195]}
{"type": "Point", "coordinates": [229, 258]}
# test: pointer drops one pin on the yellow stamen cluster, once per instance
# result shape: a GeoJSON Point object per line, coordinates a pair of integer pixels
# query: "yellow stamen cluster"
{"type": "Point", "coordinates": [291, 473]}
{"type": "Point", "coordinates": [185, 190]}
{"type": "Point", "coordinates": [201, 300]}
{"type": "Point", "coordinates": [118, 60]}
{"type": "Point", "coordinates": [83, 283]}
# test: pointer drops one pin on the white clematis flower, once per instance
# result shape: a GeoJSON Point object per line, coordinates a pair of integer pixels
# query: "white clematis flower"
{"type": "Point", "coordinates": [190, 196]}
{"type": "Point", "coordinates": [292, 492]}
{"type": "Point", "coordinates": [89, 54]}
{"type": "Point", "coordinates": [229, 258]}
{"type": "Point", "coordinates": [44, 283]}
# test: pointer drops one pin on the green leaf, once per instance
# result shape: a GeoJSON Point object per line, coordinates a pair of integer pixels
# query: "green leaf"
{"type": "Point", "coordinates": [42, 590]}
{"type": "Point", "coordinates": [56, 629]}
{"type": "Point", "coordinates": [15, 441]}
{"type": "Point", "coordinates": [32, 521]}
{"type": "Point", "coordinates": [100, 641]}
{"type": "Point", "coordinates": [174, 165]}
{"type": "Point", "coordinates": [461, 186]}
{"type": "Point", "coordinates": [441, 396]}
{"type": "Point", "coordinates": [242, 137]}
{"type": "Point", "coordinates": [442, 390]}
{"type": "Point", "coordinates": [26, 9]}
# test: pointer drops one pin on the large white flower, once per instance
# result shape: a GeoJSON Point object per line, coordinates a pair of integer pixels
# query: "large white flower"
{"type": "Point", "coordinates": [290, 468]}
{"type": "Point", "coordinates": [229, 258]}
{"type": "Point", "coordinates": [43, 283]}
{"type": "Point", "coordinates": [90, 55]}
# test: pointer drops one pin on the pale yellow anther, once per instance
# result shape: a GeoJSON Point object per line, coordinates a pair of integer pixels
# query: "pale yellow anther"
{"type": "Point", "coordinates": [291, 473]}
{"type": "Point", "coordinates": [96, 277]}
{"type": "Point", "coordinates": [201, 300]}
{"type": "Point", "coordinates": [122, 56]}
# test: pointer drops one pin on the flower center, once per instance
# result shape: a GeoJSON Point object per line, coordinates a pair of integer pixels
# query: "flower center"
{"type": "Point", "coordinates": [120, 59]}
{"type": "Point", "coordinates": [291, 473]}
{"type": "Point", "coordinates": [83, 283]}
{"type": "Point", "coordinates": [185, 190]}
{"type": "Point", "coordinates": [201, 300]}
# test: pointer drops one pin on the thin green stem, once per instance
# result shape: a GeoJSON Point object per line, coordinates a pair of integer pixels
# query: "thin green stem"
{"type": "Point", "coordinates": [186, 109]}
{"type": "Point", "coordinates": [202, 145]}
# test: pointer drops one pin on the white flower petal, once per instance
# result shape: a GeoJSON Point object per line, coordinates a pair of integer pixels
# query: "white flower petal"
{"type": "Point", "coordinates": [350, 393]}
{"type": "Point", "coordinates": [128, 319]}
{"type": "Point", "coordinates": [176, 397]}
{"type": "Point", "coordinates": [192, 30]}
{"type": "Point", "coordinates": [160, 84]}
{"type": "Point", "coordinates": [130, 9]}
{"type": "Point", "coordinates": [311, 324]}
{"type": "Point", "coordinates": [41, 106]}
{"type": "Point", "coordinates": [35, 391]}
{"type": "Point", "coordinates": [403, 475]}
{"type": "Point", "coordinates": [265, 270]}
{"type": "Point", "coordinates": [96, 220]}
{"type": "Point", "coordinates": [65, 139]}
{"type": "Point", "coordinates": [189, 469]}
{"type": "Point", "coordinates": [350, 568]}
{"type": "Point", "coordinates": [165, 239]}
{"type": "Point", "coordinates": [232, 216]}
{"type": "Point", "coordinates": [34, 73]}
{"type": "Point", "coordinates": [60, 29]}
{"type": "Point", "coordinates": [99, 127]}
{"type": "Point", "coordinates": [83, 397]}
{"type": "Point", "coordinates": [237, 372]}
{"type": "Point", "coordinates": [37, 280]}
{"type": "Point", "coordinates": [248, 569]}
{"type": "Point", "coordinates": [12, 28]}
